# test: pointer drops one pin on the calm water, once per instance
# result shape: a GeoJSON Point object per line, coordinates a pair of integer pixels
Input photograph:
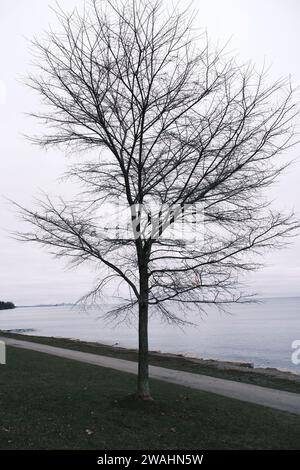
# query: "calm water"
{"type": "Point", "coordinates": [259, 333]}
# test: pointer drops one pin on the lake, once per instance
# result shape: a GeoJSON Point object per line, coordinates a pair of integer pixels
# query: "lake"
{"type": "Point", "coordinates": [260, 333]}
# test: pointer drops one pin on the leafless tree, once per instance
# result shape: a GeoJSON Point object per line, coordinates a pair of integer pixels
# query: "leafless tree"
{"type": "Point", "coordinates": [160, 117]}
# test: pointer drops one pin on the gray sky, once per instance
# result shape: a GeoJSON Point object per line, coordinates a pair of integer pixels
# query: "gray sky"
{"type": "Point", "coordinates": [258, 30]}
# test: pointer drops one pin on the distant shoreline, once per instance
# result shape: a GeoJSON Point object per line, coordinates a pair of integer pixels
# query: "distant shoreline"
{"type": "Point", "coordinates": [46, 305]}
{"type": "Point", "coordinates": [66, 304]}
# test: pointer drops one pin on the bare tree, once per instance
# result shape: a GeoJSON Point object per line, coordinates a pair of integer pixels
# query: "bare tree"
{"type": "Point", "coordinates": [160, 118]}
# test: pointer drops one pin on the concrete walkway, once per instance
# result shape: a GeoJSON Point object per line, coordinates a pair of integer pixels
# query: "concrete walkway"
{"type": "Point", "coordinates": [280, 400]}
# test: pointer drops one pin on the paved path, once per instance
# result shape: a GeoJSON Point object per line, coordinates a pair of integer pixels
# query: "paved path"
{"type": "Point", "coordinates": [272, 398]}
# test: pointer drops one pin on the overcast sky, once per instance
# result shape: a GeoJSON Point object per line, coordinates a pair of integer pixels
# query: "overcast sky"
{"type": "Point", "coordinates": [259, 30]}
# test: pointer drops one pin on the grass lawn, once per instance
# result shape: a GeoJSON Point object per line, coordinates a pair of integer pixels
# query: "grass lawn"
{"type": "Point", "coordinates": [54, 403]}
{"type": "Point", "coordinates": [163, 360]}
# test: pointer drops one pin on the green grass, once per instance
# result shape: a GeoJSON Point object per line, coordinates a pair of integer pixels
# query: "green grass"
{"type": "Point", "coordinates": [50, 403]}
{"type": "Point", "coordinates": [173, 362]}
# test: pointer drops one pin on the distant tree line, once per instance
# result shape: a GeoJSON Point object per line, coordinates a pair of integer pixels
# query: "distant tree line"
{"type": "Point", "coordinates": [6, 305]}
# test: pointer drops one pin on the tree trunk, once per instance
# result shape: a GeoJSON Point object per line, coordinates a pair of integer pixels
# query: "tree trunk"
{"type": "Point", "coordinates": [143, 370]}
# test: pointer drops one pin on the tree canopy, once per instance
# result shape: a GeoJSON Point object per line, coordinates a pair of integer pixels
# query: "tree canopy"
{"type": "Point", "coordinates": [161, 119]}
